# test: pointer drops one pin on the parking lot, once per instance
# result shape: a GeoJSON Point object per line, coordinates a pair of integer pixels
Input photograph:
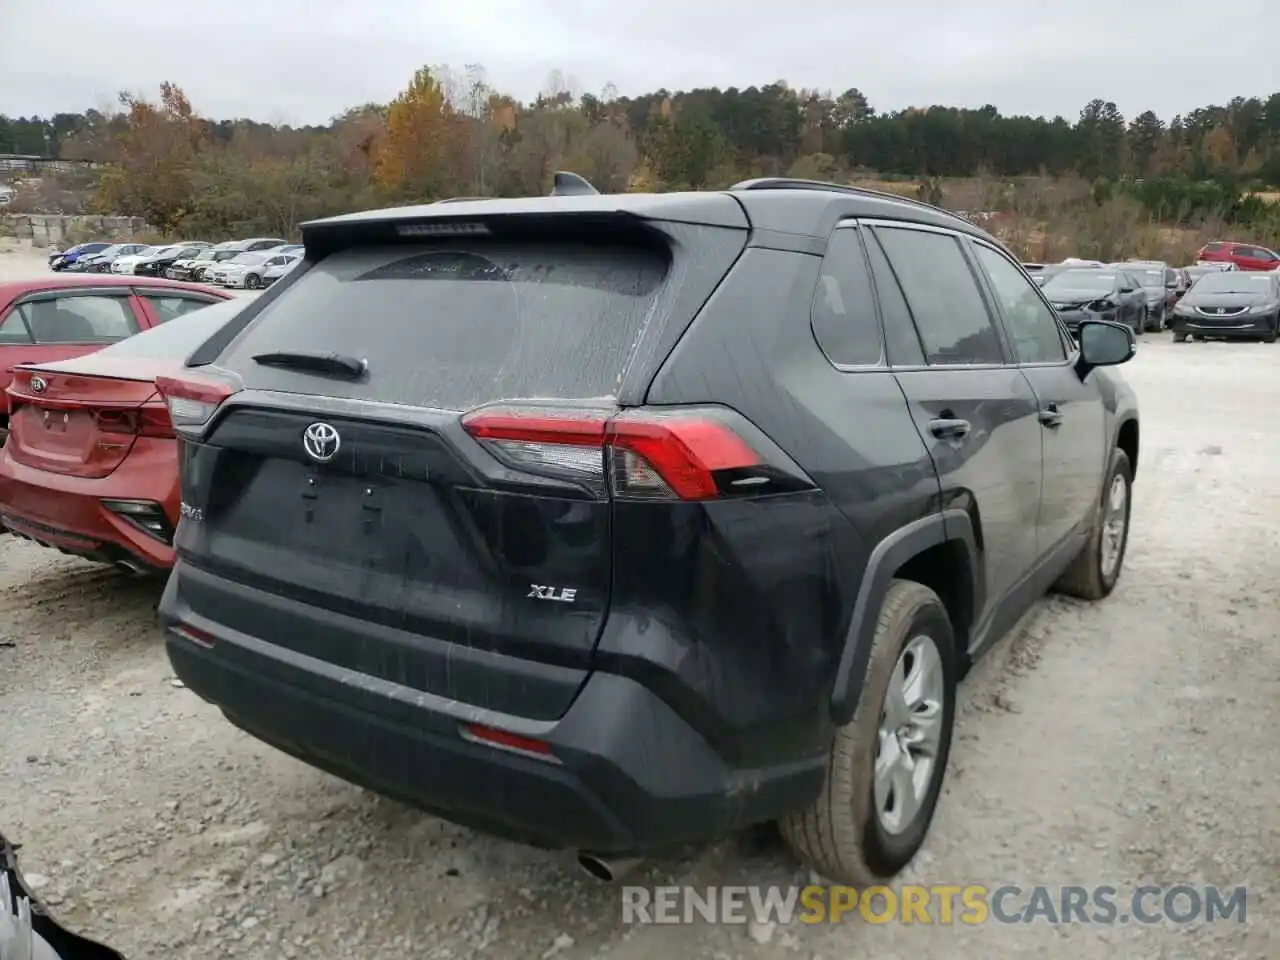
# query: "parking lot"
{"type": "Point", "coordinates": [1125, 743]}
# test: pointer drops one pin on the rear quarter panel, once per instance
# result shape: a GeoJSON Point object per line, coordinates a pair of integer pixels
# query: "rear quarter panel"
{"type": "Point", "coordinates": [762, 591]}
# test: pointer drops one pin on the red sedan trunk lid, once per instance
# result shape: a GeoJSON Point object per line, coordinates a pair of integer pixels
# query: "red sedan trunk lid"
{"type": "Point", "coordinates": [82, 417]}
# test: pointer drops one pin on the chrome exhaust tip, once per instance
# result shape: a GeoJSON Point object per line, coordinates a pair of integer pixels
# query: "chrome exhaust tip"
{"type": "Point", "coordinates": [608, 869]}
{"type": "Point", "coordinates": [129, 567]}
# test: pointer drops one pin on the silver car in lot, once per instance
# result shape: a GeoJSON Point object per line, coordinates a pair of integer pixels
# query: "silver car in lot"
{"type": "Point", "coordinates": [246, 271]}
{"type": "Point", "coordinates": [278, 266]}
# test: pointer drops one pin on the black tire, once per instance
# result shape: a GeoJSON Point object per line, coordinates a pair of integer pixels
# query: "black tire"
{"type": "Point", "coordinates": [252, 282]}
{"type": "Point", "coordinates": [1086, 578]}
{"type": "Point", "coordinates": [840, 834]}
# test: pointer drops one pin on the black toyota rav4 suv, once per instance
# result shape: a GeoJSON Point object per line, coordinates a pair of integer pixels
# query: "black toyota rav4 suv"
{"type": "Point", "coordinates": [609, 522]}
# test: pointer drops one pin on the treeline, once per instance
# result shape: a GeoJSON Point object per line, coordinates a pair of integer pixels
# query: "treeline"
{"type": "Point", "coordinates": [450, 133]}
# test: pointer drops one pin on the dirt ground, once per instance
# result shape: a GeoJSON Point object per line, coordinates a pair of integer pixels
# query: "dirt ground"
{"type": "Point", "coordinates": [1125, 743]}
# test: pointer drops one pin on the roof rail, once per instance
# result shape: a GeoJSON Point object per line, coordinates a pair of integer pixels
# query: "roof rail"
{"type": "Point", "coordinates": [461, 199]}
{"type": "Point", "coordinates": [793, 183]}
{"type": "Point", "coordinates": [567, 184]}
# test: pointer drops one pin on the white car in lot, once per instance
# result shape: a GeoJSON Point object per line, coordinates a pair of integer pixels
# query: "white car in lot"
{"type": "Point", "coordinates": [126, 264]}
{"type": "Point", "coordinates": [248, 270]}
{"type": "Point", "coordinates": [278, 266]}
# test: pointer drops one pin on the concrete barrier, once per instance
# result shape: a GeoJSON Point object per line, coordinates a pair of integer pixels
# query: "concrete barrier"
{"type": "Point", "coordinates": [52, 231]}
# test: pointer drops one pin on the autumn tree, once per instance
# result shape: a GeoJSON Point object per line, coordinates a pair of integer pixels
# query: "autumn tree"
{"type": "Point", "coordinates": [422, 155]}
{"type": "Point", "coordinates": [153, 155]}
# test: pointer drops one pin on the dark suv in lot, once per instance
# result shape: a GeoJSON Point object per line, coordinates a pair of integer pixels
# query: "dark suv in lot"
{"type": "Point", "coordinates": [610, 522]}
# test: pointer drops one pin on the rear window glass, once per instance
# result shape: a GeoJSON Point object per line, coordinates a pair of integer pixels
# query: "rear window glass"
{"type": "Point", "coordinates": [179, 337]}
{"type": "Point", "coordinates": [457, 325]}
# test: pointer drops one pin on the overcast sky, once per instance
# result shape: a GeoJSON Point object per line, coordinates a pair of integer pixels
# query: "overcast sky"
{"type": "Point", "coordinates": [302, 61]}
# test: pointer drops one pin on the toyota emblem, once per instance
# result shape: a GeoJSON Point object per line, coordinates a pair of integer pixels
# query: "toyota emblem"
{"type": "Point", "coordinates": [39, 384]}
{"type": "Point", "coordinates": [321, 441]}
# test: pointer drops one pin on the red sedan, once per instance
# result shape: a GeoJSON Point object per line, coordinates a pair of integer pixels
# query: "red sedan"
{"type": "Point", "coordinates": [61, 316]}
{"type": "Point", "coordinates": [91, 463]}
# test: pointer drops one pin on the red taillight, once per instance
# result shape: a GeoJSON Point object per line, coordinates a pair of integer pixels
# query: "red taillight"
{"type": "Point", "coordinates": [651, 455]}
{"type": "Point", "coordinates": [133, 421]}
{"type": "Point", "coordinates": [192, 401]}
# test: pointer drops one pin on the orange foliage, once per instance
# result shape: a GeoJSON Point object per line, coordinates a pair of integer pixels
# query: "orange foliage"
{"type": "Point", "coordinates": [425, 147]}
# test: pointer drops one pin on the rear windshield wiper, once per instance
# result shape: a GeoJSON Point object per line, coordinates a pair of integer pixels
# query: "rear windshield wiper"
{"type": "Point", "coordinates": [332, 363]}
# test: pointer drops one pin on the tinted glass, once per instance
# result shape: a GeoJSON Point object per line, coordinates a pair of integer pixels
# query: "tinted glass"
{"type": "Point", "coordinates": [180, 338]}
{"type": "Point", "coordinates": [1030, 324]}
{"type": "Point", "coordinates": [1151, 279]}
{"type": "Point", "coordinates": [902, 342]}
{"type": "Point", "coordinates": [1240, 282]}
{"type": "Point", "coordinates": [943, 296]}
{"type": "Point", "coordinates": [844, 310]}
{"type": "Point", "coordinates": [458, 324]}
{"type": "Point", "coordinates": [248, 258]}
{"type": "Point", "coordinates": [166, 308]}
{"type": "Point", "coordinates": [13, 330]}
{"type": "Point", "coordinates": [80, 319]}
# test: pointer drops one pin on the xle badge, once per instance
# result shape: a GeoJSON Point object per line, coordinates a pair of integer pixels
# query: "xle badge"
{"type": "Point", "coordinates": [558, 594]}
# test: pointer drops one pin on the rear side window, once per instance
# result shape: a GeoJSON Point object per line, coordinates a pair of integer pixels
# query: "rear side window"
{"type": "Point", "coordinates": [166, 308]}
{"type": "Point", "coordinates": [1213, 248]}
{"type": "Point", "coordinates": [459, 324]}
{"type": "Point", "coordinates": [179, 338]}
{"type": "Point", "coordinates": [844, 308]}
{"type": "Point", "coordinates": [943, 295]}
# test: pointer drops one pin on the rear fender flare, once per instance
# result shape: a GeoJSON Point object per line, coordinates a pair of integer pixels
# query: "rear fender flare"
{"type": "Point", "coordinates": [886, 559]}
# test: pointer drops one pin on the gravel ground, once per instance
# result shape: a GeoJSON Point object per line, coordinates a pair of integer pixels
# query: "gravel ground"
{"type": "Point", "coordinates": [1123, 743]}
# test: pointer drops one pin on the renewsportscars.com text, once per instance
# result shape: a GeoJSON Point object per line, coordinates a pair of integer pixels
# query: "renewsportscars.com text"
{"type": "Point", "coordinates": [969, 904]}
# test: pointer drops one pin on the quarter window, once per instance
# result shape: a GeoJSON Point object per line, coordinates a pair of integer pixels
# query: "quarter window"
{"type": "Point", "coordinates": [1028, 321]}
{"type": "Point", "coordinates": [844, 310]}
{"type": "Point", "coordinates": [13, 330]}
{"type": "Point", "coordinates": [954, 325]}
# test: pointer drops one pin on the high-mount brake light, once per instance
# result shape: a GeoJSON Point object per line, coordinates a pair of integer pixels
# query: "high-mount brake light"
{"type": "Point", "coordinates": [637, 454]}
{"type": "Point", "coordinates": [465, 229]}
{"type": "Point", "coordinates": [192, 401]}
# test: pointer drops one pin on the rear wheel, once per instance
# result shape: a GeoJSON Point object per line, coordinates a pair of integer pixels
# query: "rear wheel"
{"type": "Point", "coordinates": [886, 766]}
{"type": "Point", "coordinates": [1093, 574]}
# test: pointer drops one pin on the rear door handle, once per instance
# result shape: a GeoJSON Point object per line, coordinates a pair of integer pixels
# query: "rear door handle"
{"type": "Point", "coordinates": [949, 429]}
{"type": "Point", "coordinates": [1051, 416]}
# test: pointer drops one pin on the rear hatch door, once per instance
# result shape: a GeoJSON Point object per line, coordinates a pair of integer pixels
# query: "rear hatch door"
{"type": "Point", "coordinates": [362, 525]}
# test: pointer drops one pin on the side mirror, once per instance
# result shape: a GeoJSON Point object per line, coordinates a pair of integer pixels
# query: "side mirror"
{"type": "Point", "coordinates": [1126, 289]}
{"type": "Point", "coordinates": [1104, 344]}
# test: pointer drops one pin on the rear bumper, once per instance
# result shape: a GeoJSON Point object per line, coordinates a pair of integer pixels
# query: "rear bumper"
{"type": "Point", "coordinates": [628, 775]}
{"type": "Point", "coordinates": [66, 512]}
